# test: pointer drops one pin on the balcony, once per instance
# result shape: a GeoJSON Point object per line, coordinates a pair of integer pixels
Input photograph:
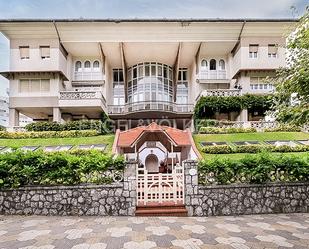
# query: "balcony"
{"type": "Point", "coordinates": [146, 106]}
{"type": "Point", "coordinates": [82, 99]}
{"type": "Point", "coordinates": [90, 76]}
{"type": "Point", "coordinates": [212, 75]}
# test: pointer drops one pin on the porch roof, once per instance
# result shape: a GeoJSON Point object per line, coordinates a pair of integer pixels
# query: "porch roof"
{"type": "Point", "coordinates": [178, 137]}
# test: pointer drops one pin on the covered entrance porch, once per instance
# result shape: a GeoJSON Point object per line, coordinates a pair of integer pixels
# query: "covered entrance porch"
{"type": "Point", "coordinates": [159, 153]}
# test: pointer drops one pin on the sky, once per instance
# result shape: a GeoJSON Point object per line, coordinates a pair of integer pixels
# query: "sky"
{"type": "Point", "coordinates": [142, 9]}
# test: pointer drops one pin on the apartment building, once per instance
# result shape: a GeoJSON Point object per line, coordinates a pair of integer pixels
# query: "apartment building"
{"type": "Point", "coordinates": [137, 71]}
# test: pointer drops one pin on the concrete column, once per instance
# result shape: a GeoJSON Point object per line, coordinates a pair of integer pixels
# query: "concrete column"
{"type": "Point", "coordinates": [174, 123]}
{"type": "Point", "coordinates": [243, 116]}
{"type": "Point", "coordinates": [192, 199]}
{"type": "Point", "coordinates": [13, 117]}
{"type": "Point", "coordinates": [56, 115]}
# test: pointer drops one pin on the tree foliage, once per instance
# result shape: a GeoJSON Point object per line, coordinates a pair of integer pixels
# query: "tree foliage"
{"type": "Point", "coordinates": [292, 83]}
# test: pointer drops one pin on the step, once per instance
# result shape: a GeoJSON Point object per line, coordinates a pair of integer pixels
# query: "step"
{"type": "Point", "coordinates": [162, 211]}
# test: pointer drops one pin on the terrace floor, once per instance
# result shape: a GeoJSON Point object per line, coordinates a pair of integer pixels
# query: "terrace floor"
{"type": "Point", "coordinates": [241, 232]}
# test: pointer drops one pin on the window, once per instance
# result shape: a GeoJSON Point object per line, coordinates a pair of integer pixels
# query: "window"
{"type": "Point", "coordinates": [78, 66]}
{"type": "Point", "coordinates": [212, 64]}
{"type": "Point", "coordinates": [272, 50]}
{"type": "Point", "coordinates": [221, 65]}
{"type": "Point", "coordinates": [118, 87]}
{"type": "Point", "coordinates": [45, 52]}
{"type": "Point", "coordinates": [87, 66]}
{"type": "Point", "coordinates": [34, 85]}
{"type": "Point", "coordinates": [260, 84]}
{"type": "Point", "coordinates": [182, 87]}
{"type": "Point", "coordinates": [96, 66]}
{"type": "Point", "coordinates": [204, 65]}
{"type": "Point", "coordinates": [253, 50]}
{"type": "Point", "coordinates": [24, 52]}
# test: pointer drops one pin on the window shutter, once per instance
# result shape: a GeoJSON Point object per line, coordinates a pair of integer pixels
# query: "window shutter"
{"type": "Point", "coordinates": [272, 49]}
{"type": "Point", "coordinates": [35, 85]}
{"type": "Point", "coordinates": [24, 86]}
{"type": "Point", "coordinates": [253, 48]}
{"type": "Point", "coordinates": [24, 52]}
{"type": "Point", "coordinates": [45, 51]}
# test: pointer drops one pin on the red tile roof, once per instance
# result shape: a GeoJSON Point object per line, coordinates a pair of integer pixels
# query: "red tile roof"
{"type": "Point", "coordinates": [179, 137]}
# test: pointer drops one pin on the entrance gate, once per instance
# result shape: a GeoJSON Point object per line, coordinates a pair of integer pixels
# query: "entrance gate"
{"type": "Point", "coordinates": [160, 188]}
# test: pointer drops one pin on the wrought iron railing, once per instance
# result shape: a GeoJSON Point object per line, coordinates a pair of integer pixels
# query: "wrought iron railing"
{"type": "Point", "coordinates": [220, 93]}
{"type": "Point", "coordinates": [151, 106]}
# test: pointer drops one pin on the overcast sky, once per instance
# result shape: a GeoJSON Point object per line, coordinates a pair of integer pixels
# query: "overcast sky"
{"type": "Point", "coordinates": [142, 9]}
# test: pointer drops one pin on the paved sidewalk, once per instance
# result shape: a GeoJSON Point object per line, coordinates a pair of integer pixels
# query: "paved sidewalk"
{"type": "Point", "coordinates": [242, 232]}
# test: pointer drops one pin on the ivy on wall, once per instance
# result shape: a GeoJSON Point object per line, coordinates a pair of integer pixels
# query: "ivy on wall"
{"type": "Point", "coordinates": [207, 106]}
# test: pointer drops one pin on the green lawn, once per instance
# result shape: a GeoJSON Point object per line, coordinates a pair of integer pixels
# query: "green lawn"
{"type": "Point", "coordinates": [105, 139]}
{"type": "Point", "coordinates": [255, 136]}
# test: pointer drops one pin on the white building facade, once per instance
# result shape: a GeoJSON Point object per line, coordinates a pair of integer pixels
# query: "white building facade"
{"type": "Point", "coordinates": [137, 70]}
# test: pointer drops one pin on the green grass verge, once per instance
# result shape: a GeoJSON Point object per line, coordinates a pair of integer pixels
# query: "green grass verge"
{"type": "Point", "coordinates": [255, 136]}
{"type": "Point", "coordinates": [15, 143]}
{"type": "Point", "coordinates": [238, 156]}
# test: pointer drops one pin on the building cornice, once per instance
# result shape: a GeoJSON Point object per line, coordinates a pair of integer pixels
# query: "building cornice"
{"type": "Point", "coordinates": [177, 20]}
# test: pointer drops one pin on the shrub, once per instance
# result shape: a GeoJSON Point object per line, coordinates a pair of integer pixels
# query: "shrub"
{"type": "Point", "coordinates": [253, 148]}
{"type": "Point", "coordinates": [38, 168]}
{"type": "Point", "coordinates": [48, 134]}
{"type": "Point", "coordinates": [2, 128]}
{"type": "Point", "coordinates": [284, 128]}
{"type": "Point", "coordinates": [218, 149]}
{"type": "Point", "coordinates": [260, 168]}
{"type": "Point", "coordinates": [68, 126]}
{"type": "Point", "coordinates": [216, 130]}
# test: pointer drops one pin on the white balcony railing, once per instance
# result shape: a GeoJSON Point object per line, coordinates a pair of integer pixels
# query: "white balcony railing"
{"type": "Point", "coordinates": [81, 76]}
{"type": "Point", "coordinates": [212, 75]}
{"type": "Point", "coordinates": [82, 95]}
{"type": "Point", "coordinates": [221, 92]}
{"type": "Point", "coordinates": [151, 106]}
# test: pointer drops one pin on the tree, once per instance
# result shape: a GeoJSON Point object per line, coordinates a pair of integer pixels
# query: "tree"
{"type": "Point", "coordinates": [292, 83]}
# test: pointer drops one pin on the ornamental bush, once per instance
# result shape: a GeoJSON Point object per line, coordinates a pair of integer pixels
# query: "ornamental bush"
{"type": "Point", "coordinates": [68, 126]}
{"type": "Point", "coordinates": [284, 128]}
{"type": "Point", "coordinates": [48, 134]}
{"type": "Point", "coordinates": [260, 168]}
{"type": "Point", "coordinates": [253, 148]}
{"type": "Point", "coordinates": [216, 130]}
{"type": "Point", "coordinates": [20, 168]}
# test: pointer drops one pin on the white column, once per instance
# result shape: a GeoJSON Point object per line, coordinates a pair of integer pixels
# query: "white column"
{"type": "Point", "coordinates": [13, 117]}
{"type": "Point", "coordinates": [243, 116]}
{"type": "Point", "coordinates": [56, 115]}
{"type": "Point", "coordinates": [174, 123]}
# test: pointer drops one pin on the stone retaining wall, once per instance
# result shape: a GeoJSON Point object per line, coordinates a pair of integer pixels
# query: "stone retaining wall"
{"type": "Point", "coordinates": [243, 199]}
{"type": "Point", "coordinates": [68, 200]}
{"type": "Point", "coordinates": [114, 199]}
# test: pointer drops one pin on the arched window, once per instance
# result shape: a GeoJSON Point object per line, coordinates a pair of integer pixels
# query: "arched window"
{"type": "Point", "coordinates": [212, 64]}
{"type": "Point", "coordinates": [221, 65]}
{"type": "Point", "coordinates": [87, 65]}
{"type": "Point", "coordinates": [96, 66]}
{"type": "Point", "coordinates": [204, 65]}
{"type": "Point", "coordinates": [78, 66]}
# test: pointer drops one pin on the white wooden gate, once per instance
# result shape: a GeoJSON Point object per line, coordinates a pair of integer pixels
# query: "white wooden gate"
{"type": "Point", "coordinates": [160, 188]}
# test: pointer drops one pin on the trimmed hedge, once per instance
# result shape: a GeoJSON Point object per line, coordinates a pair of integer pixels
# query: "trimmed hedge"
{"type": "Point", "coordinates": [260, 168]}
{"type": "Point", "coordinates": [284, 128]}
{"type": "Point", "coordinates": [19, 168]}
{"type": "Point", "coordinates": [216, 130]}
{"type": "Point", "coordinates": [68, 126]}
{"type": "Point", "coordinates": [48, 134]}
{"type": "Point", "coordinates": [253, 148]}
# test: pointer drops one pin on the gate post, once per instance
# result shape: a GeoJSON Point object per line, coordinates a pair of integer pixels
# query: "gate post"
{"type": "Point", "coordinates": [129, 185]}
{"type": "Point", "coordinates": [191, 184]}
